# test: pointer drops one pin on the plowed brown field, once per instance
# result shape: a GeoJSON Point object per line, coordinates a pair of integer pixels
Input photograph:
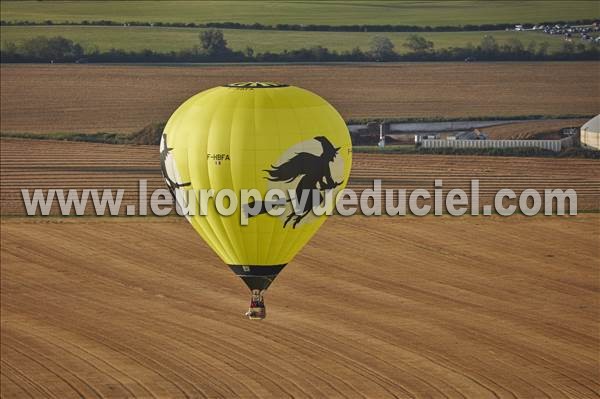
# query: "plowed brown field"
{"type": "Point", "coordinates": [92, 98]}
{"type": "Point", "coordinates": [371, 308]}
{"type": "Point", "coordinates": [31, 164]}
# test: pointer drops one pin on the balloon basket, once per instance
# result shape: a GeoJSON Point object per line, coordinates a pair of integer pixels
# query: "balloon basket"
{"type": "Point", "coordinates": [257, 310]}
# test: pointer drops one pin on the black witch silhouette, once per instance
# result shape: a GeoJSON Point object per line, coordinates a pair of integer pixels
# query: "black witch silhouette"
{"type": "Point", "coordinates": [315, 172]}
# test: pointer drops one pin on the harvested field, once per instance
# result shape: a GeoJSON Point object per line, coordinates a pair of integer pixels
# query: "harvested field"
{"type": "Point", "coordinates": [93, 98]}
{"type": "Point", "coordinates": [45, 164]}
{"type": "Point", "coordinates": [531, 130]}
{"type": "Point", "coordinates": [372, 307]}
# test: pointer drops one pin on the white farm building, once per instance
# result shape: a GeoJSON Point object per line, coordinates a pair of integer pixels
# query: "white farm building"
{"type": "Point", "coordinates": [590, 133]}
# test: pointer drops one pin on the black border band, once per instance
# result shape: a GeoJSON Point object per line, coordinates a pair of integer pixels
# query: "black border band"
{"type": "Point", "coordinates": [250, 270]}
{"type": "Point", "coordinates": [257, 277]}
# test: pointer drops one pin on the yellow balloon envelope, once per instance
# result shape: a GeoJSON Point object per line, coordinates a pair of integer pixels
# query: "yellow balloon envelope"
{"type": "Point", "coordinates": [265, 137]}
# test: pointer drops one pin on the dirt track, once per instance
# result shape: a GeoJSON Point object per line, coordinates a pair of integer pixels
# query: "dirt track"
{"type": "Point", "coordinates": [373, 307]}
{"type": "Point", "coordinates": [92, 98]}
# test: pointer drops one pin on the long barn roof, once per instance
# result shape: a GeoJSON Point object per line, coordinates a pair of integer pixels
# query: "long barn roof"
{"type": "Point", "coordinates": [593, 125]}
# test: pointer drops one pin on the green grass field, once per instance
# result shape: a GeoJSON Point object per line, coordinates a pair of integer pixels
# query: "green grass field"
{"type": "Point", "coordinates": [433, 13]}
{"type": "Point", "coordinates": [166, 39]}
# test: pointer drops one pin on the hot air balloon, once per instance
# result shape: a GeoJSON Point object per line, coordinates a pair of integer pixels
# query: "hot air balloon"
{"type": "Point", "coordinates": [262, 136]}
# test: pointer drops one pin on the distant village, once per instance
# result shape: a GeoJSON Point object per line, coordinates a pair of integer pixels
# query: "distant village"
{"type": "Point", "coordinates": [569, 32]}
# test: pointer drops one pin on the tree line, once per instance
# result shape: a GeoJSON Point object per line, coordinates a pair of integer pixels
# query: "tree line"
{"type": "Point", "coordinates": [304, 27]}
{"type": "Point", "coordinates": [213, 47]}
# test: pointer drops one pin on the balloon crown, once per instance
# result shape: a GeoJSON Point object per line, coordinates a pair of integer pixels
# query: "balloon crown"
{"type": "Point", "coordinates": [255, 85]}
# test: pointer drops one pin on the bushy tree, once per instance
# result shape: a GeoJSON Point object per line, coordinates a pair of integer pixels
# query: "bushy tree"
{"type": "Point", "coordinates": [418, 44]}
{"type": "Point", "coordinates": [543, 49]}
{"type": "Point", "coordinates": [513, 46]}
{"type": "Point", "coordinates": [55, 48]}
{"type": "Point", "coordinates": [489, 45]}
{"type": "Point", "coordinates": [382, 49]}
{"type": "Point", "coordinates": [213, 42]}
